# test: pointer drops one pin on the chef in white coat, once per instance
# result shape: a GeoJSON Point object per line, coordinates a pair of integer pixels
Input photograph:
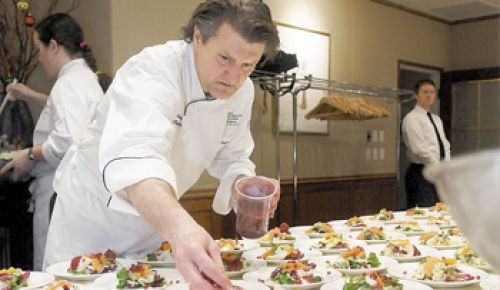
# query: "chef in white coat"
{"type": "Point", "coordinates": [66, 113]}
{"type": "Point", "coordinates": [172, 111]}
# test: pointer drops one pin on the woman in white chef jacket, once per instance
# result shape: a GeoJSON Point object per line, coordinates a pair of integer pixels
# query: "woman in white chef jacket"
{"type": "Point", "coordinates": [67, 112]}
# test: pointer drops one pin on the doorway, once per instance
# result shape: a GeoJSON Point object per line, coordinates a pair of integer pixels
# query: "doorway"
{"type": "Point", "coordinates": [409, 73]}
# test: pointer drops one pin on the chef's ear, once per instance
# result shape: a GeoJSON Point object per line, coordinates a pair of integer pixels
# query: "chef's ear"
{"type": "Point", "coordinates": [197, 37]}
{"type": "Point", "coordinates": [53, 45]}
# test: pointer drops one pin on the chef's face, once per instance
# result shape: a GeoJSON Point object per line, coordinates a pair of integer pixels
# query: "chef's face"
{"type": "Point", "coordinates": [426, 96]}
{"type": "Point", "coordinates": [224, 61]}
{"type": "Point", "coordinates": [46, 55]}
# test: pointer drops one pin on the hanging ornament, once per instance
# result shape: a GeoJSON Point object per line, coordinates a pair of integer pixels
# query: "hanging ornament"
{"type": "Point", "coordinates": [22, 5]}
{"type": "Point", "coordinates": [29, 20]}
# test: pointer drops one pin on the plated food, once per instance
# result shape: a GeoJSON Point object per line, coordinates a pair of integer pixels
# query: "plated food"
{"type": "Point", "coordinates": [442, 222]}
{"type": "Point", "coordinates": [469, 257]}
{"type": "Point", "coordinates": [13, 278]}
{"type": "Point", "coordinates": [355, 223]}
{"type": "Point", "coordinates": [331, 244]}
{"type": "Point", "coordinates": [438, 272]}
{"type": "Point", "coordinates": [61, 285]}
{"type": "Point", "coordinates": [441, 269]}
{"type": "Point", "coordinates": [140, 276]}
{"type": "Point", "coordinates": [439, 207]}
{"type": "Point", "coordinates": [319, 229]}
{"type": "Point", "coordinates": [416, 212]}
{"type": "Point", "coordinates": [278, 235]}
{"type": "Point", "coordinates": [440, 241]}
{"type": "Point", "coordinates": [16, 278]}
{"type": "Point", "coordinates": [400, 249]}
{"type": "Point", "coordinates": [293, 275]}
{"type": "Point", "coordinates": [372, 234]}
{"type": "Point", "coordinates": [281, 253]}
{"type": "Point", "coordinates": [95, 263]}
{"type": "Point", "coordinates": [162, 254]}
{"type": "Point", "coordinates": [373, 281]}
{"type": "Point", "coordinates": [384, 215]}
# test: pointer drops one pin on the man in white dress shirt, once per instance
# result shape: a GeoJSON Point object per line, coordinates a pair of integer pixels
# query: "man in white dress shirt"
{"type": "Point", "coordinates": [426, 144]}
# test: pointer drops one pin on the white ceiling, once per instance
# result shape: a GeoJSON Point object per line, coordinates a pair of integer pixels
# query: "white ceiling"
{"type": "Point", "coordinates": [453, 10]}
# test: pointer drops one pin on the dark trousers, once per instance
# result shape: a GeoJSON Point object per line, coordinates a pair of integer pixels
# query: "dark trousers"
{"type": "Point", "coordinates": [419, 191]}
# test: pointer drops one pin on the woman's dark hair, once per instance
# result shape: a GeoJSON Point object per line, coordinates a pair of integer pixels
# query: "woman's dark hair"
{"type": "Point", "coordinates": [421, 83]}
{"type": "Point", "coordinates": [250, 18]}
{"type": "Point", "coordinates": [64, 30]}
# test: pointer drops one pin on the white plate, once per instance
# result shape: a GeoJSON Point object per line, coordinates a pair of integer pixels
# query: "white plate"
{"type": "Point", "coordinates": [297, 236]}
{"type": "Point", "coordinates": [407, 285]}
{"type": "Point", "coordinates": [341, 223]}
{"type": "Point", "coordinates": [451, 254]}
{"type": "Point", "coordinates": [425, 251]}
{"type": "Point", "coordinates": [406, 271]}
{"type": "Point", "coordinates": [389, 235]}
{"type": "Point", "coordinates": [60, 270]}
{"type": "Point", "coordinates": [308, 244]}
{"type": "Point", "coordinates": [169, 262]}
{"type": "Point", "coordinates": [254, 254]}
{"type": "Point", "coordinates": [37, 280]}
{"type": "Point", "coordinates": [300, 230]}
{"type": "Point", "coordinates": [253, 265]}
{"type": "Point", "coordinates": [249, 285]}
{"type": "Point", "coordinates": [246, 244]}
{"type": "Point", "coordinates": [108, 281]}
{"type": "Point", "coordinates": [457, 243]}
{"type": "Point", "coordinates": [425, 229]}
{"type": "Point", "coordinates": [264, 274]}
{"type": "Point", "coordinates": [321, 263]}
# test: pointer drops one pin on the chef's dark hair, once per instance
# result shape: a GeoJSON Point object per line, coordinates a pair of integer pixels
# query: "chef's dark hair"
{"type": "Point", "coordinates": [250, 18]}
{"type": "Point", "coordinates": [64, 30]}
{"type": "Point", "coordinates": [420, 83]}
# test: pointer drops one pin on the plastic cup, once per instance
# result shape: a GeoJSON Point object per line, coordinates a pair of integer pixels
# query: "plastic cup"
{"type": "Point", "coordinates": [470, 186]}
{"type": "Point", "coordinates": [253, 205]}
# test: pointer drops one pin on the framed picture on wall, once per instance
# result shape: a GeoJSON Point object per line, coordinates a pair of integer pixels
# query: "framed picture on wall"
{"type": "Point", "coordinates": [313, 54]}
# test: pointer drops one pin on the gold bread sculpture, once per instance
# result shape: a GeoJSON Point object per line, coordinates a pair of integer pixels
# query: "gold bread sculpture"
{"type": "Point", "coordinates": [347, 108]}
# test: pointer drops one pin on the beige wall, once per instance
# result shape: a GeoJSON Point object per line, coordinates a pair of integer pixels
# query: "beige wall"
{"type": "Point", "coordinates": [475, 45]}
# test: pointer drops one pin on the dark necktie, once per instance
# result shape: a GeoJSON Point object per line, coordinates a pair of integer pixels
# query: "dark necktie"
{"type": "Point", "coordinates": [441, 146]}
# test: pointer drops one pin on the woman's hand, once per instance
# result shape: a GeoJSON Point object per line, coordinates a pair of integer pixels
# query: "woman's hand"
{"type": "Point", "coordinates": [21, 166]}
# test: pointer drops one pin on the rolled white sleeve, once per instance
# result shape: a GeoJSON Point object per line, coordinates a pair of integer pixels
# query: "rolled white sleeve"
{"type": "Point", "coordinates": [233, 160]}
{"type": "Point", "coordinates": [138, 132]}
{"type": "Point", "coordinates": [72, 116]}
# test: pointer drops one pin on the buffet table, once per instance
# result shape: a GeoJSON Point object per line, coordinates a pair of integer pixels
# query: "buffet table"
{"type": "Point", "coordinates": [386, 246]}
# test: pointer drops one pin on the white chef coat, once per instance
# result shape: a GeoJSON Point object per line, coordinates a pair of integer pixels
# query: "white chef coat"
{"type": "Point", "coordinates": [62, 121]}
{"type": "Point", "coordinates": [156, 122]}
{"type": "Point", "coordinates": [420, 137]}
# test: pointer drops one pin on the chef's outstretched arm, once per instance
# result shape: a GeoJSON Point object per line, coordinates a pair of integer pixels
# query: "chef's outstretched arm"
{"type": "Point", "coordinates": [196, 253]}
{"type": "Point", "coordinates": [20, 91]}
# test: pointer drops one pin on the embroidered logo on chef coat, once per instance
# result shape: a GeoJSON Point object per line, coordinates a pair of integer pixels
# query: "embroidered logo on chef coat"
{"type": "Point", "coordinates": [233, 119]}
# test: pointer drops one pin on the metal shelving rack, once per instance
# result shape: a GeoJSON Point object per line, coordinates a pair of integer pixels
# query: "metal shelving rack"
{"type": "Point", "coordinates": [279, 85]}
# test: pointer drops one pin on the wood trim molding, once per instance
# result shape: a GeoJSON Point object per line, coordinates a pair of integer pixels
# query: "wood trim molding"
{"type": "Point", "coordinates": [435, 18]}
{"type": "Point", "coordinates": [425, 66]}
{"type": "Point", "coordinates": [210, 192]}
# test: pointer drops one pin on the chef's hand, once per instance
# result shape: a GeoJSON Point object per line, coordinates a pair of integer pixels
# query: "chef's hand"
{"type": "Point", "coordinates": [20, 165]}
{"type": "Point", "coordinates": [19, 91]}
{"type": "Point", "coordinates": [197, 258]}
{"type": "Point", "coordinates": [274, 201]}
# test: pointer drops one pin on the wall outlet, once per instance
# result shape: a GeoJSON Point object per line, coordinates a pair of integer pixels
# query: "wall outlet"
{"type": "Point", "coordinates": [375, 153]}
{"type": "Point", "coordinates": [375, 136]}
{"type": "Point", "coordinates": [382, 154]}
{"type": "Point", "coordinates": [381, 136]}
{"type": "Point", "coordinates": [368, 154]}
